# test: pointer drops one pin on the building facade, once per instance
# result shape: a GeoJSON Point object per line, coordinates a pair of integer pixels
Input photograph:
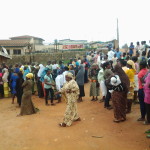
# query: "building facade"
{"type": "Point", "coordinates": [21, 45]}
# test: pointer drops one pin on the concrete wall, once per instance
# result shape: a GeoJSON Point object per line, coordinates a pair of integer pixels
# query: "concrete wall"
{"type": "Point", "coordinates": [44, 57]}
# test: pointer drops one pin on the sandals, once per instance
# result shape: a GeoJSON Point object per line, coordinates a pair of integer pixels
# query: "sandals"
{"type": "Point", "coordinates": [141, 119]}
{"type": "Point", "coordinates": [62, 125]}
{"type": "Point", "coordinates": [116, 121]}
{"type": "Point", "coordinates": [148, 136]}
{"type": "Point", "coordinates": [148, 131]}
{"type": "Point", "coordinates": [92, 99]}
{"type": "Point", "coordinates": [146, 123]}
{"type": "Point", "coordinates": [79, 119]}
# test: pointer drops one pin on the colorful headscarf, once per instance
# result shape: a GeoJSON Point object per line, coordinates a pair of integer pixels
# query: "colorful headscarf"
{"type": "Point", "coordinates": [130, 62]}
{"type": "Point", "coordinates": [29, 75]}
{"type": "Point", "coordinates": [70, 75]}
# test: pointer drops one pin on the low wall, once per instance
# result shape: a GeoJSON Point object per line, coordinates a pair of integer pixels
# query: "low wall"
{"type": "Point", "coordinates": [44, 57]}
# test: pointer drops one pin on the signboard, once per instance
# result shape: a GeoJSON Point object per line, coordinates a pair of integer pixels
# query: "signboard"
{"type": "Point", "coordinates": [77, 46]}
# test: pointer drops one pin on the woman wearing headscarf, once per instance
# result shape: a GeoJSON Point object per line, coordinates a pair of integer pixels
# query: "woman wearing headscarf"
{"type": "Point", "coordinates": [71, 91]}
{"type": "Point", "coordinates": [19, 88]}
{"type": "Point", "coordinates": [39, 83]}
{"type": "Point", "coordinates": [130, 73]}
{"type": "Point", "coordinates": [120, 86]}
{"type": "Point", "coordinates": [94, 88]}
{"type": "Point", "coordinates": [5, 81]}
{"type": "Point", "coordinates": [80, 82]}
{"type": "Point", "coordinates": [72, 70]}
{"type": "Point", "coordinates": [27, 107]}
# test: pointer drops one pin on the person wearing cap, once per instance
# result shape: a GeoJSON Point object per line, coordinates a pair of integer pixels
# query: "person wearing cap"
{"type": "Point", "coordinates": [27, 107]}
{"type": "Point", "coordinates": [71, 91]}
{"type": "Point", "coordinates": [130, 73]}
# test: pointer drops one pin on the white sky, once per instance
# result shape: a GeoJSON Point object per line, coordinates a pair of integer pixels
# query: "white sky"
{"type": "Point", "coordinates": [76, 19]}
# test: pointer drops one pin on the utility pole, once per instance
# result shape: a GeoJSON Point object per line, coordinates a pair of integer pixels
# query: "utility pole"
{"type": "Point", "coordinates": [117, 32]}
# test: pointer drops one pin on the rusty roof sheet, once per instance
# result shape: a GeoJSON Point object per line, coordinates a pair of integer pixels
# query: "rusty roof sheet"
{"type": "Point", "coordinates": [14, 42]}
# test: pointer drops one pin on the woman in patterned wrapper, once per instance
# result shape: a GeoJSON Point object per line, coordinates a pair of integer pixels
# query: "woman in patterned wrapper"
{"type": "Point", "coordinates": [120, 86]}
{"type": "Point", "coordinates": [71, 91]}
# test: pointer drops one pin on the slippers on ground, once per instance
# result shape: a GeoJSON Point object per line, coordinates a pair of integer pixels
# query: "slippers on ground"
{"type": "Point", "coordinates": [141, 119]}
{"type": "Point", "coordinates": [146, 123]}
{"type": "Point", "coordinates": [79, 119]}
{"type": "Point", "coordinates": [116, 121]}
{"type": "Point", "coordinates": [148, 131]}
{"type": "Point", "coordinates": [62, 125]}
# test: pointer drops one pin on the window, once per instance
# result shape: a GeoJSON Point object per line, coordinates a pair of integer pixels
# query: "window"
{"type": "Point", "coordinates": [8, 51]}
{"type": "Point", "coordinates": [17, 51]}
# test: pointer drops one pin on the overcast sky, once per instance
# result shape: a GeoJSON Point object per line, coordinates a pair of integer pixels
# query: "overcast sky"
{"type": "Point", "coordinates": [76, 19]}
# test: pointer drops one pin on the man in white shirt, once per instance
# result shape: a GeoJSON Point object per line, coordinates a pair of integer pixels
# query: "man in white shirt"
{"type": "Point", "coordinates": [110, 54]}
{"type": "Point", "coordinates": [64, 75]}
{"type": "Point", "coordinates": [59, 85]}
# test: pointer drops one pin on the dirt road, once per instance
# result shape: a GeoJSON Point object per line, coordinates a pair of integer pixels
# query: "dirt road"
{"type": "Point", "coordinates": [41, 131]}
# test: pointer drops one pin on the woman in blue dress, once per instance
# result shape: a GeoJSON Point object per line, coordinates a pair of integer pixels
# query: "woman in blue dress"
{"type": "Point", "coordinates": [13, 79]}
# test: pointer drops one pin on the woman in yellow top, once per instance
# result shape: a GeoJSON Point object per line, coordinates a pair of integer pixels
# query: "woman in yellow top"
{"type": "Point", "coordinates": [130, 73]}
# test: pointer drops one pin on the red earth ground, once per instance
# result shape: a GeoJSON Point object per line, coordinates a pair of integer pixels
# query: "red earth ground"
{"type": "Point", "coordinates": [41, 131]}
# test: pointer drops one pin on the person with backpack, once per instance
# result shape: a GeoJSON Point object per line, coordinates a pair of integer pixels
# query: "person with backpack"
{"type": "Point", "coordinates": [141, 74]}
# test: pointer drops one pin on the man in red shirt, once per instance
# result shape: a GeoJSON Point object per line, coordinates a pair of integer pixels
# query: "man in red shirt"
{"type": "Point", "coordinates": [141, 74]}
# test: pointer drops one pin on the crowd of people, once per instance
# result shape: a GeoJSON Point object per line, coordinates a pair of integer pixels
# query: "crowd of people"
{"type": "Point", "coordinates": [120, 77]}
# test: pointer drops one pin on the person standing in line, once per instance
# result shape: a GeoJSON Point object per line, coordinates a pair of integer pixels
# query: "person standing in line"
{"type": "Point", "coordinates": [27, 107]}
{"type": "Point", "coordinates": [48, 83]}
{"type": "Point", "coordinates": [39, 83]}
{"type": "Point", "coordinates": [147, 96]}
{"type": "Point", "coordinates": [86, 64]}
{"type": "Point", "coordinates": [94, 87]}
{"type": "Point", "coordinates": [5, 81]}
{"type": "Point", "coordinates": [118, 53]}
{"type": "Point", "coordinates": [80, 82]}
{"type": "Point", "coordinates": [13, 79]}
{"type": "Point", "coordinates": [135, 59]}
{"type": "Point", "coordinates": [110, 54]}
{"type": "Point", "coordinates": [120, 85]}
{"type": "Point", "coordinates": [138, 47]}
{"type": "Point", "coordinates": [107, 74]}
{"type": "Point", "coordinates": [71, 91]}
{"type": "Point", "coordinates": [131, 49]}
{"type": "Point", "coordinates": [141, 74]}
{"type": "Point", "coordinates": [19, 88]}
{"type": "Point", "coordinates": [123, 64]}
{"type": "Point", "coordinates": [130, 73]}
{"type": "Point", "coordinates": [72, 70]}
{"type": "Point", "coordinates": [101, 81]}
{"type": "Point", "coordinates": [59, 84]}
